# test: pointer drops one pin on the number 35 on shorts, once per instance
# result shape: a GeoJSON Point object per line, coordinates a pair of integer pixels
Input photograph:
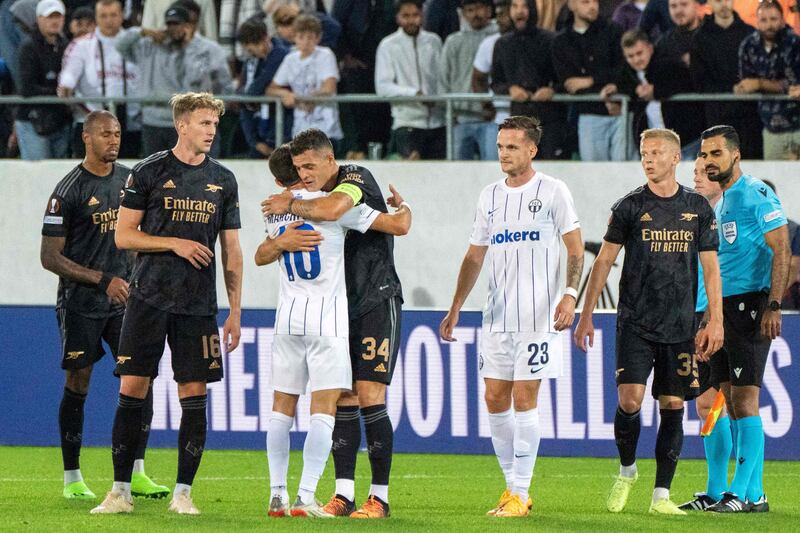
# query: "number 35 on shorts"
{"type": "Point", "coordinates": [374, 347]}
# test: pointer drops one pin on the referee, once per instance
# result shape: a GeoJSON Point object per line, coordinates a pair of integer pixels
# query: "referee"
{"type": "Point", "coordinates": [754, 261]}
{"type": "Point", "coordinates": [78, 245]}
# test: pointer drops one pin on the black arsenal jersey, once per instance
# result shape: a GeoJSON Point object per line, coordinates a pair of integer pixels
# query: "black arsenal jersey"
{"type": "Point", "coordinates": [369, 257]}
{"type": "Point", "coordinates": [193, 202]}
{"type": "Point", "coordinates": [83, 209]}
{"type": "Point", "coordinates": [662, 238]}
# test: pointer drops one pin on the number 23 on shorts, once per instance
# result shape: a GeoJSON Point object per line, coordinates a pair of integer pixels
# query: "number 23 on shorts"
{"type": "Point", "coordinates": [538, 351]}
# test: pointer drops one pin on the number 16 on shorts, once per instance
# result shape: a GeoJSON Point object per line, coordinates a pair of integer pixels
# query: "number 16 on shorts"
{"type": "Point", "coordinates": [520, 356]}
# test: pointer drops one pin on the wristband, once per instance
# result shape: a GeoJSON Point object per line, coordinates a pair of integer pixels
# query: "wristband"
{"type": "Point", "coordinates": [569, 291]}
{"type": "Point", "coordinates": [404, 203]}
{"type": "Point", "coordinates": [105, 281]}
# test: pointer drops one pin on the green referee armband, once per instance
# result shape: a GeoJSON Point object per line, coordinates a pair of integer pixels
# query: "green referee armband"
{"type": "Point", "coordinates": [350, 190]}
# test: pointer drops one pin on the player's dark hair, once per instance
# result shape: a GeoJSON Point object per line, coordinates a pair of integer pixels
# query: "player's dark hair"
{"type": "Point", "coordinates": [310, 139]}
{"type": "Point", "coordinates": [631, 37]}
{"type": "Point", "coordinates": [532, 127]}
{"type": "Point", "coordinates": [727, 132]}
{"type": "Point", "coordinates": [96, 116]}
{"type": "Point", "coordinates": [281, 166]}
{"type": "Point", "coordinates": [766, 4]}
{"type": "Point", "coordinates": [252, 31]}
{"type": "Point", "coordinates": [400, 3]}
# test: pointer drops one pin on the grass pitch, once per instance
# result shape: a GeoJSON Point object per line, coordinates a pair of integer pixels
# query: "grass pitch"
{"type": "Point", "coordinates": [428, 493]}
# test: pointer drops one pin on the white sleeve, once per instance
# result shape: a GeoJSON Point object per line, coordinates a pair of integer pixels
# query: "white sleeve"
{"type": "Point", "coordinates": [359, 218]}
{"type": "Point", "coordinates": [327, 65]}
{"type": "Point", "coordinates": [208, 22]}
{"type": "Point", "coordinates": [483, 57]}
{"type": "Point", "coordinates": [480, 227]}
{"type": "Point", "coordinates": [385, 79]}
{"type": "Point", "coordinates": [564, 214]}
{"type": "Point", "coordinates": [72, 64]}
{"type": "Point", "coordinates": [282, 77]}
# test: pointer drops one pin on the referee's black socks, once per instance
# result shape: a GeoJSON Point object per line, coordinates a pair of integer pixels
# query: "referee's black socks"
{"type": "Point", "coordinates": [191, 437]}
{"type": "Point", "coordinates": [627, 427]}
{"type": "Point", "coordinates": [70, 422]}
{"type": "Point", "coordinates": [125, 436]}
{"type": "Point", "coordinates": [346, 441]}
{"type": "Point", "coordinates": [380, 439]}
{"type": "Point", "coordinates": [669, 442]}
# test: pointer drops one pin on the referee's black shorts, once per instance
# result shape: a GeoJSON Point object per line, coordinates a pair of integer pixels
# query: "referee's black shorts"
{"type": "Point", "coordinates": [743, 357]}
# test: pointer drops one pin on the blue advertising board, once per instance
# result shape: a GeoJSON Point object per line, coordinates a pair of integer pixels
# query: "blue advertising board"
{"type": "Point", "coordinates": [435, 401]}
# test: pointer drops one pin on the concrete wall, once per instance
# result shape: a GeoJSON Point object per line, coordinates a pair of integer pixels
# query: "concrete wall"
{"type": "Point", "coordinates": [442, 195]}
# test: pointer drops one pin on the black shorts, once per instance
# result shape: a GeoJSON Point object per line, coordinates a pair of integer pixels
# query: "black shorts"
{"type": "Point", "coordinates": [673, 365]}
{"type": "Point", "coordinates": [81, 338]}
{"type": "Point", "coordinates": [375, 341]}
{"type": "Point", "coordinates": [704, 367]}
{"type": "Point", "coordinates": [743, 357]}
{"type": "Point", "coordinates": [193, 341]}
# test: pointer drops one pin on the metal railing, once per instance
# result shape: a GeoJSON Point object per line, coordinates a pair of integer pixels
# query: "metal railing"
{"type": "Point", "coordinates": [447, 99]}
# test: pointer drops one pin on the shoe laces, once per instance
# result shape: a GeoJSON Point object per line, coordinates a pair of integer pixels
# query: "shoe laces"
{"type": "Point", "coordinates": [336, 506]}
{"type": "Point", "coordinates": [372, 505]}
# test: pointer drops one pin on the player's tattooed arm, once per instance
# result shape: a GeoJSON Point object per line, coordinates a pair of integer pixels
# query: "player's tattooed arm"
{"type": "Point", "coordinates": [778, 241]}
{"type": "Point", "coordinates": [565, 309]}
{"type": "Point", "coordinates": [328, 208]}
{"type": "Point", "coordinates": [291, 240]}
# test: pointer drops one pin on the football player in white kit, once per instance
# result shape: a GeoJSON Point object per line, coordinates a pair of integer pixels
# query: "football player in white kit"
{"type": "Point", "coordinates": [519, 222]}
{"type": "Point", "coordinates": [311, 329]}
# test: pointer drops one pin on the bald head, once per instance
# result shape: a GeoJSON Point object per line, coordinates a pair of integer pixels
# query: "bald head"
{"type": "Point", "coordinates": [97, 119]}
{"type": "Point", "coordinates": [101, 136]}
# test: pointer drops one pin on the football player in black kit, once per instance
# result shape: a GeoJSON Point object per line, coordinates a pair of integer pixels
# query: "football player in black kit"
{"type": "Point", "coordinates": [374, 299]}
{"type": "Point", "coordinates": [78, 245]}
{"type": "Point", "coordinates": [176, 203]}
{"type": "Point", "coordinates": [663, 226]}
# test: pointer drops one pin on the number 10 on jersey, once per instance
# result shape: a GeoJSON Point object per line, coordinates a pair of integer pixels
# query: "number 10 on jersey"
{"type": "Point", "coordinates": [295, 261]}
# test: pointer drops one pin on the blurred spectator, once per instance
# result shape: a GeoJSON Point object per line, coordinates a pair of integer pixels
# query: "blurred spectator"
{"type": "Point", "coordinates": [747, 9]}
{"type": "Point", "coordinates": [172, 61]}
{"type": "Point", "coordinates": [364, 25]}
{"type": "Point", "coordinates": [442, 17]}
{"type": "Point", "coordinates": [93, 66]}
{"type": "Point", "coordinates": [585, 57]}
{"type": "Point", "coordinates": [154, 10]}
{"type": "Point", "coordinates": [458, 55]}
{"type": "Point", "coordinates": [493, 112]}
{"type": "Point", "coordinates": [81, 22]}
{"type": "Point", "coordinates": [628, 14]}
{"type": "Point", "coordinates": [266, 56]}
{"type": "Point", "coordinates": [522, 68]}
{"type": "Point", "coordinates": [43, 130]}
{"type": "Point", "coordinates": [647, 77]}
{"type": "Point", "coordinates": [232, 14]}
{"type": "Point", "coordinates": [655, 19]}
{"type": "Point", "coordinates": [545, 13]}
{"type": "Point", "coordinates": [791, 299]}
{"type": "Point", "coordinates": [407, 64]}
{"type": "Point", "coordinates": [676, 43]}
{"type": "Point", "coordinates": [17, 20]}
{"type": "Point", "coordinates": [310, 70]}
{"type": "Point", "coordinates": [285, 16]}
{"type": "Point", "coordinates": [714, 65]}
{"type": "Point", "coordinates": [769, 62]}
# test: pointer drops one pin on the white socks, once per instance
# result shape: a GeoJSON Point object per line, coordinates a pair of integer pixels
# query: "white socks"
{"type": "Point", "coordinates": [501, 426]}
{"type": "Point", "coordinates": [346, 488]}
{"type": "Point", "coordinates": [71, 476]}
{"type": "Point", "coordinates": [316, 449]}
{"type": "Point", "coordinates": [628, 471]}
{"type": "Point", "coordinates": [122, 488]}
{"type": "Point", "coordinates": [526, 448]}
{"type": "Point", "coordinates": [278, 429]}
{"type": "Point", "coordinates": [660, 493]}
{"type": "Point", "coordinates": [180, 488]}
{"type": "Point", "coordinates": [138, 466]}
{"type": "Point", "coordinates": [381, 491]}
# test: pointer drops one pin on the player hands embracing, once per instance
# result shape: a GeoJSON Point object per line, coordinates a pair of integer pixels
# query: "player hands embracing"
{"type": "Point", "coordinates": [519, 222]}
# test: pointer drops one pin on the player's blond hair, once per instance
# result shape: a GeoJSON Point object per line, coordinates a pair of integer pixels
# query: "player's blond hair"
{"type": "Point", "coordinates": [661, 133]}
{"type": "Point", "coordinates": [184, 103]}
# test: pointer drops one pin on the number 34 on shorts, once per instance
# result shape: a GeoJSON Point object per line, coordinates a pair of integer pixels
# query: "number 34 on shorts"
{"type": "Point", "coordinates": [520, 356]}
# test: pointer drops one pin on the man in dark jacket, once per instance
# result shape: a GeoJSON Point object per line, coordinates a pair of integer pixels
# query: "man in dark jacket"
{"type": "Point", "coordinates": [585, 56]}
{"type": "Point", "coordinates": [648, 76]}
{"type": "Point", "coordinates": [522, 67]}
{"type": "Point", "coordinates": [43, 132]}
{"type": "Point", "coordinates": [714, 59]}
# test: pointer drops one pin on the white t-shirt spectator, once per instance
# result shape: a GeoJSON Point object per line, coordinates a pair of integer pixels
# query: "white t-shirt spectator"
{"type": "Point", "coordinates": [305, 76]}
{"type": "Point", "coordinates": [483, 63]}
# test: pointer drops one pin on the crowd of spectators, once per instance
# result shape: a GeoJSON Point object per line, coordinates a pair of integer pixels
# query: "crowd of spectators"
{"type": "Point", "coordinates": [528, 50]}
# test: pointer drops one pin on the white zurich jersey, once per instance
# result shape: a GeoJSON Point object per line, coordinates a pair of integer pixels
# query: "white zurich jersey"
{"type": "Point", "coordinates": [522, 226]}
{"type": "Point", "coordinates": [313, 295]}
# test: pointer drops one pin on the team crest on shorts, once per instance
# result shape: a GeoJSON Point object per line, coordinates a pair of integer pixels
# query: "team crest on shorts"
{"type": "Point", "coordinates": [729, 231]}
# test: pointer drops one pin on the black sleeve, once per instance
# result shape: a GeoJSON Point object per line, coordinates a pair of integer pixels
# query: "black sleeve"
{"type": "Point", "coordinates": [500, 82]}
{"type": "Point", "coordinates": [230, 215]}
{"type": "Point", "coordinates": [137, 190]}
{"type": "Point", "coordinates": [56, 217]}
{"type": "Point", "coordinates": [708, 239]}
{"type": "Point", "coordinates": [618, 224]}
{"type": "Point", "coordinates": [565, 61]}
{"type": "Point", "coordinates": [29, 72]}
{"type": "Point", "coordinates": [361, 178]}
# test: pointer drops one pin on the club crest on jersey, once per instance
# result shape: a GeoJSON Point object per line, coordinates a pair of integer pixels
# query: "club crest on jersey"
{"type": "Point", "coordinates": [729, 231]}
{"type": "Point", "coordinates": [688, 217]}
{"type": "Point", "coordinates": [535, 205]}
{"type": "Point", "coordinates": [210, 187]}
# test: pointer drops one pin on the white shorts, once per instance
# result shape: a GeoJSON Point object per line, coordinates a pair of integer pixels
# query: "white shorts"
{"type": "Point", "coordinates": [296, 359]}
{"type": "Point", "coordinates": [520, 356]}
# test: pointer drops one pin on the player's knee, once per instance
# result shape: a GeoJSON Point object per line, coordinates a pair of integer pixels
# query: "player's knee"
{"type": "Point", "coordinates": [630, 404]}
{"type": "Point", "coordinates": [744, 407]}
{"type": "Point", "coordinates": [78, 380]}
{"type": "Point", "coordinates": [497, 401]}
{"type": "Point", "coordinates": [370, 393]}
{"type": "Point", "coordinates": [134, 386]}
